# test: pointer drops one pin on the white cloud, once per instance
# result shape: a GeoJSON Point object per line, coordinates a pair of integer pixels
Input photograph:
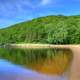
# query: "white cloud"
{"type": "Point", "coordinates": [13, 9]}
{"type": "Point", "coordinates": [46, 2]}
{"type": "Point", "coordinates": [21, 6]}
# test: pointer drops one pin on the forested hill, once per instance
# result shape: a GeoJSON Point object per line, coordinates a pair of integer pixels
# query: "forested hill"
{"type": "Point", "coordinates": [49, 29]}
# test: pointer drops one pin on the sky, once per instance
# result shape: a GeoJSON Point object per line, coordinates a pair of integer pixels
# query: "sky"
{"type": "Point", "coordinates": [15, 11]}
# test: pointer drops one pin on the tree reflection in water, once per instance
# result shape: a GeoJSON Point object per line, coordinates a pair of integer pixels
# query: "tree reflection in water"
{"type": "Point", "coordinates": [47, 61]}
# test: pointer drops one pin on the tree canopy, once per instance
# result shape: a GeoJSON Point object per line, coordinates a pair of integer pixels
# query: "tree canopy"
{"type": "Point", "coordinates": [50, 29]}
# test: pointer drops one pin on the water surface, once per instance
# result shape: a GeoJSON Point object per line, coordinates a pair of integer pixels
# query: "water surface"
{"type": "Point", "coordinates": [29, 64]}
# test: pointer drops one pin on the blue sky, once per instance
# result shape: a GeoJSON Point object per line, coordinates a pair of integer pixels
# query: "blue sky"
{"type": "Point", "coordinates": [15, 11]}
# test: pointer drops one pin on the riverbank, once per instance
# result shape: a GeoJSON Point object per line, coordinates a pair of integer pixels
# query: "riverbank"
{"type": "Point", "coordinates": [43, 46]}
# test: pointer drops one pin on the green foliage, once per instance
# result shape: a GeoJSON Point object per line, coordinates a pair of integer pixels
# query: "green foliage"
{"type": "Point", "coordinates": [50, 29]}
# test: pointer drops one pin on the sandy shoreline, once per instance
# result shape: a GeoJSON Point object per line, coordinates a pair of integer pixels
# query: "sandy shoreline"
{"type": "Point", "coordinates": [43, 46]}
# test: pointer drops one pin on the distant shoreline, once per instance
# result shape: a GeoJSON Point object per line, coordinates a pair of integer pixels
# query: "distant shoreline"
{"type": "Point", "coordinates": [42, 46]}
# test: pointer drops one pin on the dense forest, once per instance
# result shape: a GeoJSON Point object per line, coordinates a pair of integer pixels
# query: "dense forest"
{"type": "Point", "coordinates": [50, 29]}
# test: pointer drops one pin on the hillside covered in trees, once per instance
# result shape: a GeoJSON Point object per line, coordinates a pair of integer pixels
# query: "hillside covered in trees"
{"type": "Point", "coordinates": [49, 29]}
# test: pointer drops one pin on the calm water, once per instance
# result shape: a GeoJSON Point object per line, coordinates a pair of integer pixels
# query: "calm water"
{"type": "Point", "coordinates": [29, 64]}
